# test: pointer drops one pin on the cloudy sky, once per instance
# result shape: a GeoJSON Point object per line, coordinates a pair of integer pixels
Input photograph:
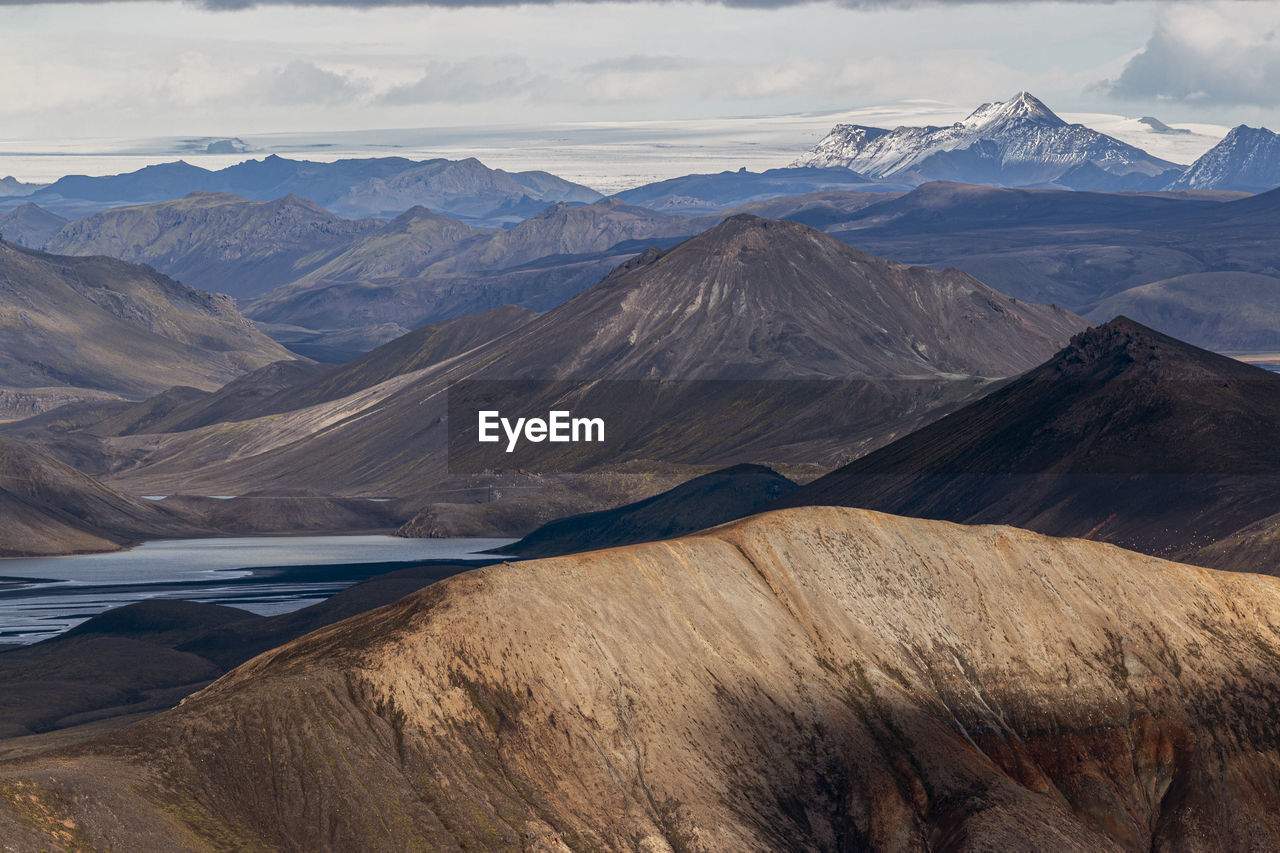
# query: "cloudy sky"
{"type": "Point", "coordinates": [233, 67]}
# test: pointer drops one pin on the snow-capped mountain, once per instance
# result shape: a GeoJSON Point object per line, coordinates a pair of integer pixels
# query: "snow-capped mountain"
{"type": "Point", "coordinates": [1247, 158]}
{"type": "Point", "coordinates": [1018, 142]}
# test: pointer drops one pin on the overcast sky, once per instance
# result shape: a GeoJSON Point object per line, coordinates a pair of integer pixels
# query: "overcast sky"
{"type": "Point", "coordinates": [152, 68]}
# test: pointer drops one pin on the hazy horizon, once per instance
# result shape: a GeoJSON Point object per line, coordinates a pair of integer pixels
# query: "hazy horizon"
{"type": "Point", "coordinates": [140, 70]}
{"type": "Point", "coordinates": [607, 156]}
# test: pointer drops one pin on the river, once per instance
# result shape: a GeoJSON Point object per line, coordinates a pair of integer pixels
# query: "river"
{"type": "Point", "coordinates": [43, 596]}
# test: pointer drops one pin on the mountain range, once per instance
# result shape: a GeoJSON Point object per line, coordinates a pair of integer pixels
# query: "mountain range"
{"type": "Point", "coordinates": [1126, 435]}
{"type": "Point", "coordinates": [336, 288]}
{"type": "Point", "coordinates": [801, 680]}
{"type": "Point", "coordinates": [312, 269]}
{"type": "Point", "coordinates": [1074, 249]}
{"type": "Point", "coordinates": [217, 241]}
{"type": "Point", "coordinates": [1018, 142]}
{"type": "Point", "coordinates": [845, 349]}
{"type": "Point", "coordinates": [96, 328]}
{"type": "Point", "coordinates": [383, 186]}
{"type": "Point", "coordinates": [1022, 143]}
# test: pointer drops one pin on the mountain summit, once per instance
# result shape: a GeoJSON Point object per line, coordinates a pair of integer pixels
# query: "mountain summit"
{"type": "Point", "coordinates": [756, 298]}
{"type": "Point", "coordinates": [1018, 142]}
{"type": "Point", "coordinates": [1022, 108]}
{"type": "Point", "coordinates": [1247, 158]}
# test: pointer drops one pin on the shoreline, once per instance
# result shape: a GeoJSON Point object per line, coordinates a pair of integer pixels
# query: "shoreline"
{"type": "Point", "coordinates": [336, 573]}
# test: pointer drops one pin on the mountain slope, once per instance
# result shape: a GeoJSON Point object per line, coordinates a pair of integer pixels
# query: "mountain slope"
{"type": "Point", "coordinates": [839, 345]}
{"type": "Point", "coordinates": [177, 409]}
{"type": "Point", "coordinates": [50, 508]}
{"type": "Point", "coordinates": [287, 385]}
{"type": "Point", "coordinates": [1247, 158]}
{"type": "Point", "coordinates": [94, 327]}
{"type": "Point", "coordinates": [821, 679]}
{"type": "Point", "coordinates": [1018, 142]}
{"type": "Point", "coordinates": [217, 242]}
{"type": "Point", "coordinates": [1126, 435]}
{"type": "Point", "coordinates": [406, 245]}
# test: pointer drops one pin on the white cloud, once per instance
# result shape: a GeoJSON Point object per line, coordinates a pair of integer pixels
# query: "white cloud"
{"type": "Point", "coordinates": [303, 82]}
{"type": "Point", "coordinates": [1211, 54]}
{"type": "Point", "coordinates": [467, 81]}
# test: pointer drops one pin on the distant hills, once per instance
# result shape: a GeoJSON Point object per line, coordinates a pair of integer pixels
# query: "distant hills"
{"type": "Point", "coordinates": [1126, 435]}
{"type": "Point", "coordinates": [703, 194]}
{"type": "Point", "coordinates": [11, 186]}
{"type": "Point", "coordinates": [1231, 312]}
{"type": "Point", "coordinates": [795, 681]}
{"type": "Point", "coordinates": [333, 288]}
{"type": "Point", "coordinates": [93, 328]}
{"type": "Point", "coordinates": [1070, 248]}
{"type": "Point", "coordinates": [321, 271]}
{"type": "Point", "coordinates": [216, 241]}
{"type": "Point", "coordinates": [385, 186]}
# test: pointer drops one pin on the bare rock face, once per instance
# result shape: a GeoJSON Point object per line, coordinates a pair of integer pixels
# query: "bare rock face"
{"type": "Point", "coordinates": [814, 679]}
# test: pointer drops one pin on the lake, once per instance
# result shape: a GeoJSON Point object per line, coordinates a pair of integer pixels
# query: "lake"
{"type": "Point", "coordinates": [43, 596]}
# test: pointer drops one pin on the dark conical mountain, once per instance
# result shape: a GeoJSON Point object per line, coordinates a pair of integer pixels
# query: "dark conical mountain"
{"type": "Point", "coordinates": [1126, 435]}
{"type": "Point", "coordinates": [756, 298]}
